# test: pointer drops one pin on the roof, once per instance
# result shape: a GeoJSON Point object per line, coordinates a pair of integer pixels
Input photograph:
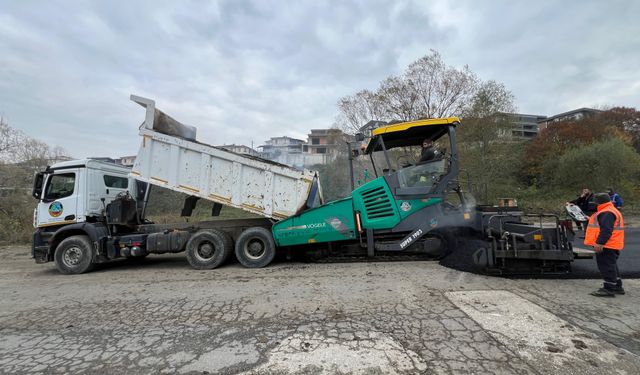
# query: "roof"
{"type": "Point", "coordinates": [570, 113]}
{"type": "Point", "coordinates": [403, 126]}
{"type": "Point", "coordinates": [82, 163]}
{"type": "Point", "coordinates": [410, 133]}
{"type": "Point", "coordinates": [513, 114]}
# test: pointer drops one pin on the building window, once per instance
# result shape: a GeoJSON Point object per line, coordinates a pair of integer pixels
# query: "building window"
{"type": "Point", "coordinates": [321, 150]}
{"type": "Point", "coordinates": [315, 141]}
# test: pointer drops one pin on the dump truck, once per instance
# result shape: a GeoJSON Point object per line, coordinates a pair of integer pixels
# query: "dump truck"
{"type": "Point", "coordinates": [90, 212]}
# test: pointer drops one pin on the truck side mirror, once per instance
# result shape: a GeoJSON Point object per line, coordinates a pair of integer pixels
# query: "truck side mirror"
{"type": "Point", "coordinates": [37, 185]}
{"type": "Point", "coordinates": [359, 137]}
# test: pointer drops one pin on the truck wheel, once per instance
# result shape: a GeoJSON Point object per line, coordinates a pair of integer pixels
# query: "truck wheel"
{"type": "Point", "coordinates": [74, 255]}
{"type": "Point", "coordinates": [208, 249]}
{"type": "Point", "coordinates": [255, 247]}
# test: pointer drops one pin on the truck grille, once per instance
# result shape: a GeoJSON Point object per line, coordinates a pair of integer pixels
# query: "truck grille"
{"type": "Point", "coordinates": [377, 203]}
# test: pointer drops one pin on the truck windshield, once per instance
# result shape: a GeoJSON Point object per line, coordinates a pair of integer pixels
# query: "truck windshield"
{"type": "Point", "coordinates": [60, 186]}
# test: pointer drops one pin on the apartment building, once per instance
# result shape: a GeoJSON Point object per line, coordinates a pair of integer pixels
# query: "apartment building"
{"type": "Point", "coordinates": [574, 115]}
{"type": "Point", "coordinates": [240, 149]}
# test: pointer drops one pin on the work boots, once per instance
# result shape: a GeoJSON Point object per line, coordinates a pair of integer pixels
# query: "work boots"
{"type": "Point", "coordinates": [603, 292]}
{"type": "Point", "coordinates": [609, 292]}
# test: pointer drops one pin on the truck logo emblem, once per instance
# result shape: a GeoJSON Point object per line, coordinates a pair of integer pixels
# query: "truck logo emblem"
{"type": "Point", "coordinates": [405, 206]}
{"type": "Point", "coordinates": [55, 209]}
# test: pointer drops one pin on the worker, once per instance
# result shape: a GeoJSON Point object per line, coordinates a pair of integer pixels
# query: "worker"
{"type": "Point", "coordinates": [427, 153]}
{"type": "Point", "coordinates": [605, 233]}
{"type": "Point", "coordinates": [615, 198]}
{"type": "Point", "coordinates": [586, 204]}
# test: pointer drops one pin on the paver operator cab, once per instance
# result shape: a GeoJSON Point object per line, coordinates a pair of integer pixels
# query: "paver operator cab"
{"type": "Point", "coordinates": [402, 209]}
{"type": "Point", "coordinates": [90, 212]}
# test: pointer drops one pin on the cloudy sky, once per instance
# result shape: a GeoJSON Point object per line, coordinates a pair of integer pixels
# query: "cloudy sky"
{"type": "Point", "coordinates": [243, 71]}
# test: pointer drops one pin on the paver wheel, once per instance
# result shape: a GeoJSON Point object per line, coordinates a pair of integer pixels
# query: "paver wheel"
{"type": "Point", "coordinates": [255, 247]}
{"type": "Point", "coordinates": [74, 255]}
{"type": "Point", "coordinates": [446, 243]}
{"type": "Point", "coordinates": [208, 249]}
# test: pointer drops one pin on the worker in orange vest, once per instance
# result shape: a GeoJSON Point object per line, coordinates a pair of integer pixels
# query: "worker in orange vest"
{"type": "Point", "coordinates": [605, 233]}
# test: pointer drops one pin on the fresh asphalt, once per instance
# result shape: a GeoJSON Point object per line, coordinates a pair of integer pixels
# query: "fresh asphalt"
{"type": "Point", "coordinates": [628, 262]}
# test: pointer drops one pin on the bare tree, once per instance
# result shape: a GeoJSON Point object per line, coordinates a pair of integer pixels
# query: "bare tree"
{"type": "Point", "coordinates": [399, 99]}
{"type": "Point", "coordinates": [356, 110]}
{"type": "Point", "coordinates": [427, 89]}
{"type": "Point", "coordinates": [20, 158]}
{"type": "Point", "coordinates": [440, 90]}
{"type": "Point", "coordinates": [27, 154]}
{"type": "Point", "coordinates": [10, 139]}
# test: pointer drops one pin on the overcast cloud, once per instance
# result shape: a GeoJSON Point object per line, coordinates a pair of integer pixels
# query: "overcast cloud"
{"type": "Point", "coordinates": [243, 71]}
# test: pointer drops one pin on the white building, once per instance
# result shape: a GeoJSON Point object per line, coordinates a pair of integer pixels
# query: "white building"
{"type": "Point", "coordinates": [240, 149]}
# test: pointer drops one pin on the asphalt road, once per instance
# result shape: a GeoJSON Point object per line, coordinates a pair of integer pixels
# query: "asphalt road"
{"type": "Point", "coordinates": [628, 263]}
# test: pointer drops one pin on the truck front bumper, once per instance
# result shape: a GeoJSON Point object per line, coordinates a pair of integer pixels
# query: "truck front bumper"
{"type": "Point", "coordinates": [40, 247]}
{"type": "Point", "coordinates": [41, 254]}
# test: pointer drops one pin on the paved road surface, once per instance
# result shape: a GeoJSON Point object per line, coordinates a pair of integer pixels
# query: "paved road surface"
{"type": "Point", "coordinates": [628, 263]}
{"type": "Point", "coordinates": [361, 318]}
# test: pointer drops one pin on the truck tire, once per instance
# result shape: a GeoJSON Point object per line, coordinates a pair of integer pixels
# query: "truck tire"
{"type": "Point", "coordinates": [255, 247]}
{"type": "Point", "coordinates": [74, 255]}
{"type": "Point", "coordinates": [208, 249]}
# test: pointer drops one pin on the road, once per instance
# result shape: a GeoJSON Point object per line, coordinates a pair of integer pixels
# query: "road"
{"type": "Point", "coordinates": [362, 318]}
{"type": "Point", "coordinates": [628, 263]}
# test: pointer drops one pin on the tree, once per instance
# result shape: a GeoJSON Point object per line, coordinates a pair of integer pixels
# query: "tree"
{"type": "Point", "coordinates": [427, 89]}
{"type": "Point", "coordinates": [9, 140]}
{"type": "Point", "coordinates": [439, 90]}
{"type": "Point", "coordinates": [486, 117]}
{"type": "Point", "coordinates": [358, 109]}
{"type": "Point", "coordinates": [20, 158]}
{"type": "Point", "coordinates": [607, 163]}
{"type": "Point", "coordinates": [563, 136]}
{"type": "Point", "coordinates": [488, 154]}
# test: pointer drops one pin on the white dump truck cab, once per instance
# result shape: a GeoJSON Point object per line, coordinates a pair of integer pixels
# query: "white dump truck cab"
{"type": "Point", "coordinates": [70, 213]}
{"type": "Point", "coordinates": [77, 191]}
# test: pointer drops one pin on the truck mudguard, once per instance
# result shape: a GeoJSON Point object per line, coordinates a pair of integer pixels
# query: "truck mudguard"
{"type": "Point", "coordinates": [93, 230]}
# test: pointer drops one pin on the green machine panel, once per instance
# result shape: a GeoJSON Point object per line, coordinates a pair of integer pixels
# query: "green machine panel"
{"type": "Point", "coordinates": [333, 221]}
{"type": "Point", "coordinates": [408, 207]}
{"type": "Point", "coordinates": [377, 207]}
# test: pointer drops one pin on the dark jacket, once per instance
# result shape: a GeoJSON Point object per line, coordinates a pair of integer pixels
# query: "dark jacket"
{"type": "Point", "coordinates": [427, 154]}
{"type": "Point", "coordinates": [586, 204]}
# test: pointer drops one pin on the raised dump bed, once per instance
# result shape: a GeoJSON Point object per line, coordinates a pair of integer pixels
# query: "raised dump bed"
{"type": "Point", "coordinates": [170, 157]}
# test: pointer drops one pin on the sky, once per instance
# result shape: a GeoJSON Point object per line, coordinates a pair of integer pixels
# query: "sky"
{"type": "Point", "coordinates": [245, 71]}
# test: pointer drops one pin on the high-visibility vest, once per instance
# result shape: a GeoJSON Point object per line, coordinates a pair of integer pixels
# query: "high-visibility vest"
{"type": "Point", "coordinates": [616, 241]}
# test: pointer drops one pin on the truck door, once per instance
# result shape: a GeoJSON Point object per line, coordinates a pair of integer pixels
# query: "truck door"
{"type": "Point", "coordinates": [60, 199]}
